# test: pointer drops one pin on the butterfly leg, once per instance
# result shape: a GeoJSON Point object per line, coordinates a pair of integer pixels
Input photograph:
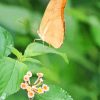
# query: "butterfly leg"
{"type": "Point", "coordinates": [37, 40]}
{"type": "Point", "coordinates": [49, 45]}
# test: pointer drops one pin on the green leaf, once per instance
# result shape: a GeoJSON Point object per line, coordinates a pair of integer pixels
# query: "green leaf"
{"type": "Point", "coordinates": [78, 14]}
{"type": "Point", "coordinates": [20, 95]}
{"type": "Point", "coordinates": [11, 75]}
{"type": "Point", "coordinates": [95, 29]}
{"type": "Point", "coordinates": [15, 18]}
{"type": "Point", "coordinates": [5, 42]}
{"type": "Point", "coordinates": [36, 67]}
{"type": "Point", "coordinates": [55, 93]}
{"type": "Point", "coordinates": [34, 61]}
{"type": "Point", "coordinates": [36, 49]}
{"type": "Point", "coordinates": [16, 53]}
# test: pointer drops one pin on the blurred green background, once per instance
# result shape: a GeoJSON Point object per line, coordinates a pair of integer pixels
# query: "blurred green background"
{"type": "Point", "coordinates": [81, 77]}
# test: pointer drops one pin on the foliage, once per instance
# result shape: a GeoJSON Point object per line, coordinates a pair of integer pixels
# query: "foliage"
{"type": "Point", "coordinates": [13, 70]}
{"type": "Point", "coordinates": [81, 77]}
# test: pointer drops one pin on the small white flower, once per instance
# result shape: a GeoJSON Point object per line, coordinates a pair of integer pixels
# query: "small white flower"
{"type": "Point", "coordinates": [45, 87]}
{"type": "Point", "coordinates": [34, 87]}
{"type": "Point", "coordinates": [24, 85]}
{"type": "Point", "coordinates": [40, 75]}
{"type": "Point", "coordinates": [40, 90]}
{"type": "Point", "coordinates": [29, 88]}
{"type": "Point", "coordinates": [29, 73]}
{"type": "Point", "coordinates": [31, 94]}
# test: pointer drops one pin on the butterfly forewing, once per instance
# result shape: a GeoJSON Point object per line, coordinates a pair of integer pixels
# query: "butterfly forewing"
{"type": "Point", "coordinates": [52, 25]}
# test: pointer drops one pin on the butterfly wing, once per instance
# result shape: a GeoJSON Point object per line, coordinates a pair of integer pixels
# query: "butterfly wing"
{"type": "Point", "coordinates": [52, 25]}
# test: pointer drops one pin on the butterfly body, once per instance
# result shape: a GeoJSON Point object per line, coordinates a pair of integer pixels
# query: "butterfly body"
{"type": "Point", "coordinates": [52, 26]}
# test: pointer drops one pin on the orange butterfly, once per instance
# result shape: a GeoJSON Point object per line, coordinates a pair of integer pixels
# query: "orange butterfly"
{"type": "Point", "coordinates": [52, 26]}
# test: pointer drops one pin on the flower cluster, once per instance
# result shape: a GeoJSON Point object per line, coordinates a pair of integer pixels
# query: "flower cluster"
{"type": "Point", "coordinates": [38, 86]}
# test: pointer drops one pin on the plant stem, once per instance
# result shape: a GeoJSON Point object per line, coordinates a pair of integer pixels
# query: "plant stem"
{"type": "Point", "coordinates": [30, 98]}
{"type": "Point", "coordinates": [16, 53]}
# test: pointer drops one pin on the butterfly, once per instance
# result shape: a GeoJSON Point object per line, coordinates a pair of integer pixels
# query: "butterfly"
{"type": "Point", "coordinates": [52, 26]}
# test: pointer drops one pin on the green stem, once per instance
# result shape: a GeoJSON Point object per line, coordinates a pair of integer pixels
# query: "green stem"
{"type": "Point", "coordinates": [17, 53]}
{"type": "Point", "coordinates": [30, 98]}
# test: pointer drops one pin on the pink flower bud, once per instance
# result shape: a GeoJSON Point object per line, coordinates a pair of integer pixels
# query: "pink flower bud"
{"type": "Point", "coordinates": [26, 78]}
